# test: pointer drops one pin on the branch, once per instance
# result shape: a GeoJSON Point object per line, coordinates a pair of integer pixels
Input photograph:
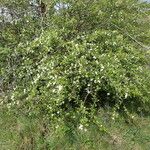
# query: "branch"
{"type": "Point", "coordinates": [126, 33]}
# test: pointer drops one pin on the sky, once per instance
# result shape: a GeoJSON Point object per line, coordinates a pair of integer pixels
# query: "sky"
{"type": "Point", "coordinates": [146, 0]}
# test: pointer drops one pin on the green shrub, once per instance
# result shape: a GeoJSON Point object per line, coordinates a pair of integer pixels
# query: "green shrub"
{"type": "Point", "coordinates": [88, 57]}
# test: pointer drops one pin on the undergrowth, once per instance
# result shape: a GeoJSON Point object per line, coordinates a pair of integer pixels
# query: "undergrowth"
{"type": "Point", "coordinates": [19, 132]}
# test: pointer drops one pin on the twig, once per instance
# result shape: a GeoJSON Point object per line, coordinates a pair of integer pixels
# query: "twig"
{"type": "Point", "coordinates": [139, 43]}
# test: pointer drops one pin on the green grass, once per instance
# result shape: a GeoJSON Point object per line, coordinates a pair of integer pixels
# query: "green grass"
{"type": "Point", "coordinates": [22, 133]}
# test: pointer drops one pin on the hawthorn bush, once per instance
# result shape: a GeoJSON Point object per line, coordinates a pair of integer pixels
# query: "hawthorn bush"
{"type": "Point", "coordinates": [86, 55]}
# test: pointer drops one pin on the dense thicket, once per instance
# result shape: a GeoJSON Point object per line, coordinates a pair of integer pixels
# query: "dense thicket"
{"type": "Point", "coordinates": [79, 56]}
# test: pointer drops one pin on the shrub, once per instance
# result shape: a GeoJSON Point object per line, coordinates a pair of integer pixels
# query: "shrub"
{"type": "Point", "coordinates": [87, 58]}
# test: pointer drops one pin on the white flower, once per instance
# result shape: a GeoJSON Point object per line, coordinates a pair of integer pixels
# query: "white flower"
{"type": "Point", "coordinates": [59, 88]}
{"type": "Point", "coordinates": [113, 118]}
{"type": "Point", "coordinates": [1, 103]}
{"type": "Point", "coordinates": [58, 112]}
{"type": "Point", "coordinates": [24, 90]}
{"type": "Point", "coordinates": [17, 102]}
{"type": "Point", "coordinates": [97, 62]}
{"type": "Point", "coordinates": [89, 84]}
{"type": "Point", "coordinates": [80, 127]}
{"type": "Point", "coordinates": [8, 105]}
{"type": "Point", "coordinates": [88, 91]}
{"type": "Point", "coordinates": [57, 127]}
{"type": "Point", "coordinates": [102, 67]}
{"type": "Point", "coordinates": [126, 95]}
{"type": "Point", "coordinates": [132, 117]}
{"type": "Point", "coordinates": [85, 129]}
{"type": "Point", "coordinates": [99, 81]}
{"type": "Point", "coordinates": [108, 94]}
{"type": "Point", "coordinates": [94, 57]}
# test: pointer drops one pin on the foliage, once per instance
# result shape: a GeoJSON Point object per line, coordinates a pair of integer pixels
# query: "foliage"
{"type": "Point", "coordinates": [76, 60]}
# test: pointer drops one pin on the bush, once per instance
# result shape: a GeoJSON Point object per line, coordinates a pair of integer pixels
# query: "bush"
{"type": "Point", "coordinates": [85, 60]}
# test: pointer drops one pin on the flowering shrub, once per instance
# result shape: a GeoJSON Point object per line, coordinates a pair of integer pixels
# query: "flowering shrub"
{"type": "Point", "coordinates": [86, 58]}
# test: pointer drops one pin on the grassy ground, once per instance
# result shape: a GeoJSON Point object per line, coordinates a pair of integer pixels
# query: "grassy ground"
{"type": "Point", "coordinates": [21, 133]}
